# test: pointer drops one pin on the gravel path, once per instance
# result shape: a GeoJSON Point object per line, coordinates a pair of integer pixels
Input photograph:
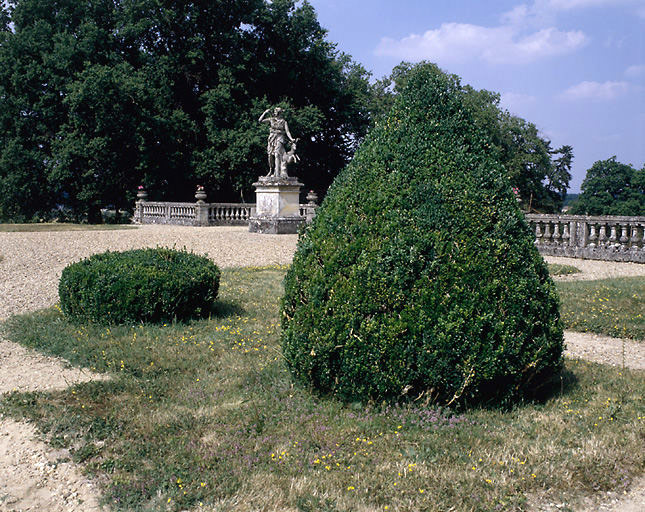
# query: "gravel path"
{"type": "Point", "coordinates": [35, 477]}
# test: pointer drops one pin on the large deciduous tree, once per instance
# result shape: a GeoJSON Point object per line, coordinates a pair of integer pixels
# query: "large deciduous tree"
{"type": "Point", "coordinates": [612, 188]}
{"type": "Point", "coordinates": [539, 172]}
{"type": "Point", "coordinates": [99, 96]}
{"type": "Point", "coordinates": [49, 45]}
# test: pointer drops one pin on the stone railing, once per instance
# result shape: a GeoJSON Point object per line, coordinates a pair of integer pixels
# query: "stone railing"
{"type": "Point", "coordinates": [193, 214]}
{"type": "Point", "coordinates": [609, 238]}
{"type": "Point", "coordinates": [201, 213]}
{"type": "Point", "coordinates": [229, 214]}
{"type": "Point", "coordinates": [164, 213]}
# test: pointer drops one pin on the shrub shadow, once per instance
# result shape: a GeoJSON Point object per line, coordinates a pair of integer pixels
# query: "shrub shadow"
{"type": "Point", "coordinates": [560, 384]}
{"type": "Point", "coordinates": [224, 308]}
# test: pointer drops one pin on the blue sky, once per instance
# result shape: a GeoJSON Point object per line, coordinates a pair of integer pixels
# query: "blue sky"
{"type": "Point", "coordinates": [575, 68]}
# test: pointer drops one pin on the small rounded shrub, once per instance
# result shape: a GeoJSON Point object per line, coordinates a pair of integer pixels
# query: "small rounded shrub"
{"type": "Point", "coordinates": [143, 285]}
{"type": "Point", "coordinates": [419, 274]}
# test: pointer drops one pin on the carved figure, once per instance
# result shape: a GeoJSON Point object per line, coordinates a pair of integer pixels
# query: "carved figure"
{"type": "Point", "coordinates": [290, 157]}
{"type": "Point", "coordinates": [278, 134]}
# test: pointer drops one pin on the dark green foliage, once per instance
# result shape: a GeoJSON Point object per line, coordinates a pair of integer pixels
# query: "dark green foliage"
{"type": "Point", "coordinates": [419, 274]}
{"type": "Point", "coordinates": [98, 97]}
{"type": "Point", "coordinates": [541, 173]}
{"type": "Point", "coordinates": [143, 285]}
{"type": "Point", "coordinates": [611, 188]}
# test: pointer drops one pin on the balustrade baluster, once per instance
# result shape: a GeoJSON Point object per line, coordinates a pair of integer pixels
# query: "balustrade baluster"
{"type": "Point", "coordinates": [538, 233]}
{"type": "Point", "coordinates": [624, 229]}
{"type": "Point", "coordinates": [565, 234]}
{"type": "Point", "coordinates": [592, 235]}
{"type": "Point", "coordinates": [613, 236]}
{"type": "Point", "coordinates": [636, 238]}
{"type": "Point", "coordinates": [547, 233]}
{"type": "Point", "coordinates": [602, 235]}
{"type": "Point", "coordinates": [556, 233]}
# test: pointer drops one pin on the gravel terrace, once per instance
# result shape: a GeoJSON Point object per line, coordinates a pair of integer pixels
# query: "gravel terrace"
{"type": "Point", "coordinates": [36, 477]}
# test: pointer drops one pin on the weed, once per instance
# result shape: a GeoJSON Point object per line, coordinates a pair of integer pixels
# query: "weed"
{"type": "Point", "coordinates": [557, 269]}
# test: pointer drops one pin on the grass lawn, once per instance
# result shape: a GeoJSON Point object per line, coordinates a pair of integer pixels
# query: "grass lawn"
{"type": "Point", "coordinates": [557, 269]}
{"type": "Point", "coordinates": [206, 414]}
{"type": "Point", "coordinates": [60, 226]}
{"type": "Point", "coordinates": [615, 307]}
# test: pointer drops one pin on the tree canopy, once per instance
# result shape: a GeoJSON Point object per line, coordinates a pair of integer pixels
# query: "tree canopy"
{"type": "Point", "coordinates": [540, 172]}
{"type": "Point", "coordinates": [611, 188]}
{"type": "Point", "coordinates": [101, 96]}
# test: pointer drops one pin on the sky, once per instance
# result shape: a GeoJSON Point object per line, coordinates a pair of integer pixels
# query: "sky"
{"type": "Point", "coordinates": [574, 68]}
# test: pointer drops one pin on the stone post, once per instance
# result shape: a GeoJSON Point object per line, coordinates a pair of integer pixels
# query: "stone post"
{"type": "Point", "coordinates": [142, 197]}
{"type": "Point", "coordinates": [201, 207]}
{"type": "Point", "coordinates": [312, 205]}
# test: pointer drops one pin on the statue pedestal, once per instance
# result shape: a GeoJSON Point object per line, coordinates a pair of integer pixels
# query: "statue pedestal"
{"type": "Point", "coordinates": [277, 206]}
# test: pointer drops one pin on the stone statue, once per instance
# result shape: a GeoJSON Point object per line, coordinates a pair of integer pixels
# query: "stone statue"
{"type": "Point", "coordinates": [279, 158]}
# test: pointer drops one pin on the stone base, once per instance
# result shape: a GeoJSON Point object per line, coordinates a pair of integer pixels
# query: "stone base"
{"type": "Point", "coordinates": [276, 225]}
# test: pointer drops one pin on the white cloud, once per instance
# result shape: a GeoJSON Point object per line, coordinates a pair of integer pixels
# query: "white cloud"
{"type": "Point", "coordinates": [454, 42]}
{"type": "Point", "coordinates": [635, 71]}
{"type": "Point", "coordinates": [596, 91]}
{"type": "Point", "coordinates": [517, 15]}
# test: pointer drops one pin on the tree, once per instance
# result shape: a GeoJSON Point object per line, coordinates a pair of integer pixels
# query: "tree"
{"type": "Point", "coordinates": [51, 42]}
{"type": "Point", "coordinates": [611, 188]}
{"type": "Point", "coordinates": [541, 174]}
{"type": "Point", "coordinates": [99, 96]}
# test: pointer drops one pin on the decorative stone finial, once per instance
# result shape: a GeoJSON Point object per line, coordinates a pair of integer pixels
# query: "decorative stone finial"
{"type": "Point", "coordinates": [142, 195]}
{"type": "Point", "coordinates": [200, 194]}
{"type": "Point", "coordinates": [312, 198]}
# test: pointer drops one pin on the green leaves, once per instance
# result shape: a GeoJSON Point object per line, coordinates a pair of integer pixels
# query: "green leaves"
{"type": "Point", "coordinates": [612, 188]}
{"type": "Point", "coordinates": [105, 95]}
{"type": "Point", "coordinates": [419, 272]}
{"type": "Point", "coordinates": [532, 166]}
{"type": "Point", "coordinates": [145, 285]}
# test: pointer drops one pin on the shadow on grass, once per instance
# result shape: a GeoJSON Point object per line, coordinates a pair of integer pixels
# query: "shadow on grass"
{"type": "Point", "coordinates": [563, 383]}
{"type": "Point", "coordinates": [224, 308]}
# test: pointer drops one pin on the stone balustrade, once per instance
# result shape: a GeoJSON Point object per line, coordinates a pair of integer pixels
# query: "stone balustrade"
{"type": "Point", "coordinates": [229, 214]}
{"type": "Point", "coordinates": [202, 213]}
{"type": "Point", "coordinates": [155, 212]}
{"type": "Point", "coordinates": [611, 238]}
{"type": "Point", "coordinates": [192, 214]}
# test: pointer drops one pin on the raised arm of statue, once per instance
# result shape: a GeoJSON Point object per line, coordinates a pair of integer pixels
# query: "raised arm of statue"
{"type": "Point", "coordinates": [264, 114]}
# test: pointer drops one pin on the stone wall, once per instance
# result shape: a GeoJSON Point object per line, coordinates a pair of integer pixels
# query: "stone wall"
{"type": "Point", "coordinates": [610, 238]}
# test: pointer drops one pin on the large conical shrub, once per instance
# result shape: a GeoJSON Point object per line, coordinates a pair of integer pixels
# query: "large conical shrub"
{"type": "Point", "coordinates": [419, 274]}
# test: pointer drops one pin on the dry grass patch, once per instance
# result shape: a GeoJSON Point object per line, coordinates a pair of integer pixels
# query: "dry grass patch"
{"type": "Point", "coordinates": [206, 413]}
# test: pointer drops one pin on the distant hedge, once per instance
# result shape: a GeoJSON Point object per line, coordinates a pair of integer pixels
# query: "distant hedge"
{"type": "Point", "coordinates": [419, 275]}
{"type": "Point", "coordinates": [143, 285]}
